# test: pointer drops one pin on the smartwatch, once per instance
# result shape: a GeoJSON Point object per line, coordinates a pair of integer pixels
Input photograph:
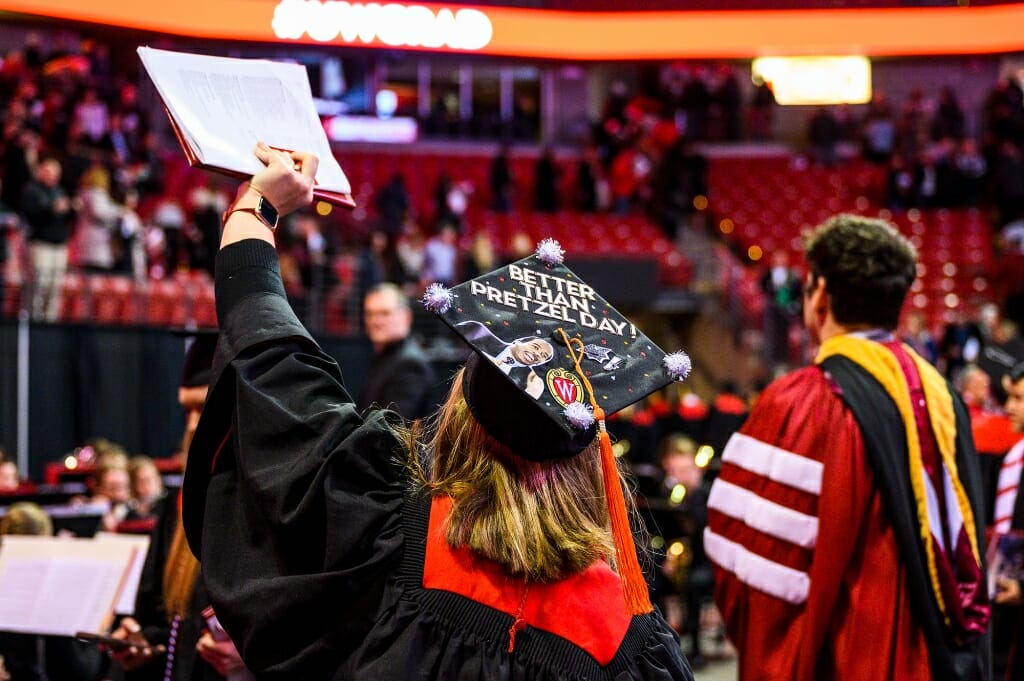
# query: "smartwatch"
{"type": "Point", "coordinates": [264, 210]}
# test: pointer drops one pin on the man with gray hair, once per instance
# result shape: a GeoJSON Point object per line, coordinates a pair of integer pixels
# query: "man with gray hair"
{"type": "Point", "coordinates": [400, 376]}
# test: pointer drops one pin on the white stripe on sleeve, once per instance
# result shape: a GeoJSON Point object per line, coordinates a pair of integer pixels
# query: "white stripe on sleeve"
{"type": "Point", "coordinates": [757, 571]}
{"type": "Point", "coordinates": [774, 463]}
{"type": "Point", "coordinates": [763, 515]}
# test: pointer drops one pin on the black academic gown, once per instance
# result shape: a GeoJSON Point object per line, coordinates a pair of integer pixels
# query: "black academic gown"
{"type": "Point", "coordinates": [313, 540]}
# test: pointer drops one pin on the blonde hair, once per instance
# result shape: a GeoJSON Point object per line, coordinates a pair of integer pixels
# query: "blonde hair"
{"type": "Point", "coordinates": [539, 520]}
{"type": "Point", "coordinates": [95, 177]}
{"type": "Point", "coordinates": [180, 574]}
{"type": "Point", "coordinates": [26, 518]}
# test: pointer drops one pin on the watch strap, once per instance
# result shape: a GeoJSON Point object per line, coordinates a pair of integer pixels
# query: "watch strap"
{"type": "Point", "coordinates": [259, 211]}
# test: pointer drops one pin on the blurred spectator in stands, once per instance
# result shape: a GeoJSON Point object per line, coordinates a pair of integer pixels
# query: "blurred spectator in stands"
{"type": "Point", "coordinates": [47, 212]}
{"type": "Point", "coordinates": [502, 182]}
{"type": "Point", "coordinates": [970, 171]}
{"type": "Point", "coordinates": [54, 119]}
{"type": "Point", "coordinates": [20, 147]}
{"type": "Point", "coordinates": [990, 426]}
{"type": "Point", "coordinates": [686, 568]}
{"type": "Point", "coordinates": [481, 258]}
{"type": "Point", "coordinates": [628, 174]}
{"type": "Point", "coordinates": [912, 125]}
{"type": "Point", "coordinates": [91, 117]}
{"type": "Point", "coordinates": [727, 102]}
{"type": "Point", "coordinates": [588, 174]}
{"type": "Point", "coordinates": [130, 249]}
{"type": "Point", "coordinates": [1003, 111]}
{"type": "Point", "coordinates": [400, 376]}
{"type": "Point", "coordinates": [823, 135]}
{"type": "Point", "coordinates": [1008, 182]}
{"type": "Point", "coordinates": [146, 485]}
{"type": "Point", "coordinates": [520, 245]}
{"type": "Point", "coordinates": [133, 117]}
{"type": "Point", "coordinates": [948, 120]}
{"type": "Point", "coordinates": [931, 176]}
{"type": "Point", "coordinates": [1001, 351]}
{"type": "Point", "coordinates": [781, 285]}
{"type": "Point", "coordinates": [442, 208]}
{"type": "Point", "coordinates": [147, 171]}
{"type": "Point", "coordinates": [696, 102]}
{"type": "Point", "coordinates": [546, 174]}
{"type": "Point", "coordinates": [959, 344]}
{"type": "Point", "coordinates": [407, 269]}
{"type": "Point", "coordinates": [679, 178]}
{"type": "Point", "coordinates": [879, 129]}
{"type": "Point", "coordinates": [761, 113]}
{"type": "Point", "coordinates": [849, 130]}
{"type": "Point", "coordinates": [374, 261]}
{"type": "Point", "coordinates": [691, 416]}
{"type": "Point", "coordinates": [393, 205]}
{"type": "Point", "coordinates": [9, 478]}
{"type": "Point", "coordinates": [98, 216]}
{"type": "Point", "coordinates": [900, 183]}
{"type": "Point", "coordinates": [441, 257]}
{"type": "Point", "coordinates": [915, 333]}
{"type": "Point", "coordinates": [117, 145]}
{"type": "Point", "coordinates": [169, 218]}
{"type": "Point", "coordinates": [206, 203]}
{"type": "Point", "coordinates": [1007, 274]}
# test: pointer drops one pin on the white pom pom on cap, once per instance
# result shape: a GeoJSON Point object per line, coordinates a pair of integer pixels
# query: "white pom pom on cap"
{"type": "Point", "coordinates": [678, 365]}
{"type": "Point", "coordinates": [579, 415]}
{"type": "Point", "coordinates": [437, 298]}
{"type": "Point", "coordinates": [550, 252]}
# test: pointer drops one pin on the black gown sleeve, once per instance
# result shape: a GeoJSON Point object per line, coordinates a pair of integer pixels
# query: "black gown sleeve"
{"type": "Point", "coordinates": [300, 499]}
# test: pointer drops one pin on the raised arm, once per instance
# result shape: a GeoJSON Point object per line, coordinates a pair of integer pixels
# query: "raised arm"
{"type": "Point", "coordinates": [291, 500]}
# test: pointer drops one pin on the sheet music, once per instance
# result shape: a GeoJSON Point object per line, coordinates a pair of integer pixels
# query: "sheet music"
{"type": "Point", "coordinates": [60, 585]}
{"type": "Point", "coordinates": [126, 601]}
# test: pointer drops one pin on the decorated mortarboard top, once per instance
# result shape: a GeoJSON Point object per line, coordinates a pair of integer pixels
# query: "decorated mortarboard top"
{"type": "Point", "coordinates": [528, 322]}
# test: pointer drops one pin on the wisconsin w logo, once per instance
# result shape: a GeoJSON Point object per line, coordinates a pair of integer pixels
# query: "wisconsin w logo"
{"type": "Point", "coordinates": [564, 386]}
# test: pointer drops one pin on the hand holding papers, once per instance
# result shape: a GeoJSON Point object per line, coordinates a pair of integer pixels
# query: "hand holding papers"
{"type": "Point", "coordinates": [221, 107]}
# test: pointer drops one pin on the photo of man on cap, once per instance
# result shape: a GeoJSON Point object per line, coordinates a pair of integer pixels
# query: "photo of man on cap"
{"type": "Point", "coordinates": [515, 359]}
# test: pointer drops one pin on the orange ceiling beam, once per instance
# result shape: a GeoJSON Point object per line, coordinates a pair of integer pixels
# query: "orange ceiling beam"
{"type": "Point", "coordinates": [541, 34]}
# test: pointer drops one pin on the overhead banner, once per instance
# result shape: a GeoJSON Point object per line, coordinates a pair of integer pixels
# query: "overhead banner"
{"type": "Point", "coordinates": [578, 36]}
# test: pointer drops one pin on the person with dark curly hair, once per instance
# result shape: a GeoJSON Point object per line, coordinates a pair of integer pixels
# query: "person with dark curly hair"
{"type": "Point", "coordinates": [845, 525]}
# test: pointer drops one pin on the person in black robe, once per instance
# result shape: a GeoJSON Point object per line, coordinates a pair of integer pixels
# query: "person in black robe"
{"type": "Point", "coordinates": [334, 547]}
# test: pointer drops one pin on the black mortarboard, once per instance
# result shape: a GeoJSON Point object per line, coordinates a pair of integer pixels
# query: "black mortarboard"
{"type": "Point", "coordinates": [522, 383]}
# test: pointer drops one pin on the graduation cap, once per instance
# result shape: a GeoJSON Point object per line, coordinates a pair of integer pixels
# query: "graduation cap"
{"type": "Point", "coordinates": [550, 359]}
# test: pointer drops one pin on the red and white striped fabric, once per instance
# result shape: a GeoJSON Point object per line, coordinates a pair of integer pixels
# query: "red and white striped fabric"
{"type": "Point", "coordinates": [773, 523]}
{"type": "Point", "coordinates": [1006, 489]}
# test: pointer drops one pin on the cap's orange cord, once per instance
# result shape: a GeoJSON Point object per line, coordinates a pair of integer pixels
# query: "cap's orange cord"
{"type": "Point", "coordinates": [634, 587]}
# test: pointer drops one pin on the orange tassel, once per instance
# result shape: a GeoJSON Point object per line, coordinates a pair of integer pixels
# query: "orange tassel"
{"type": "Point", "coordinates": [634, 587]}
